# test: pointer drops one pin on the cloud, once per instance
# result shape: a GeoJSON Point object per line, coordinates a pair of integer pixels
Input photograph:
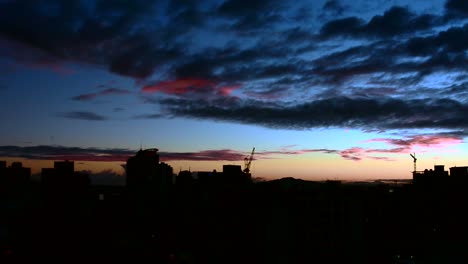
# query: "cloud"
{"type": "Point", "coordinates": [193, 88]}
{"type": "Point", "coordinates": [360, 113]}
{"type": "Point", "coordinates": [452, 40]}
{"type": "Point", "coordinates": [332, 9]}
{"type": "Point", "coordinates": [343, 26]}
{"type": "Point", "coordinates": [83, 115]}
{"type": "Point", "coordinates": [98, 32]}
{"type": "Point", "coordinates": [66, 153]}
{"type": "Point", "coordinates": [406, 145]}
{"type": "Point", "coordinates": [179, 87]}
{"type": "Point", "coordinates": [108, 155]}
{"type": "Point", "coordinates": [108, 91]}
{"type": "Point", "coordinates": [255, 62]}
{"type": "Point", "coordinates": [395, 21]}
{"type": "Point", "coordinates": [409, 60]}
{"type": "Point", "coordinates": [31, 57]}
{"type": "Point", "coordinates": [252, 16]}
{"type": "Point", "coordinates": [334, 6]}
{"type": "Point", "coordinates": [422, 141]}
{"type": "Point", "coordinates": [270, 94]}
{"type": "Point", "coordinates": [456, 8]}
{"type": "Point", "coordinates": [149, 116]}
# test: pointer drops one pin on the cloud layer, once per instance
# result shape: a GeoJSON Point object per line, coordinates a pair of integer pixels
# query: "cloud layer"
{"type": "Point", "coordinates": [401, 145]}
{"type": "Point", "coordinates": [260, 62]}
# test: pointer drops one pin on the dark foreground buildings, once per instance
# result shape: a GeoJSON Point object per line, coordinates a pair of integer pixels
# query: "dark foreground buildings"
{"type": "Point", "coordinates": [14, 175]}
{"type": "Point", "coordinates": [439, 178]}
{"type": "Point", "coordinates": [223, 217]}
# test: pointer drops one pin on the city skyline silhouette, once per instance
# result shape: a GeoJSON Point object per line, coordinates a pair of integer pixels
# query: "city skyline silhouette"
{"type": "Point", "coordinates": [226, 216]}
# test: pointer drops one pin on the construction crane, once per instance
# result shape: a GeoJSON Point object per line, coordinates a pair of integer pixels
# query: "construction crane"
{"type": "Point", "coordinates": [414, 160]}
{"type": "Point", "coordinates": [248, 162]}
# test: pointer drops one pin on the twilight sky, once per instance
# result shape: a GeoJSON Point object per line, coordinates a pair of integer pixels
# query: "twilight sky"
{"type": "Point", "coordinates": [323, 89]}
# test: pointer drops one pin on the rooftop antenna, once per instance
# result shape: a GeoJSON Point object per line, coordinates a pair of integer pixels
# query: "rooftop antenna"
{"type": "Point", "coordinates": [414, 160]}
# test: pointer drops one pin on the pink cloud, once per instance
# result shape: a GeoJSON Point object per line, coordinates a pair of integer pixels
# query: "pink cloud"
{"type": "Point", "coordinates": [421, 142]}
{"type": "Point", "coordinates": [190, 86]}
{"type": "Point", "coordinates": [227, 90]}
{"type": "Point", "coordinates": [178, 87]}
{"type": "Point", "coordinates": [354, 153]}
{"type": "Point", "coordinates": [418, 143]}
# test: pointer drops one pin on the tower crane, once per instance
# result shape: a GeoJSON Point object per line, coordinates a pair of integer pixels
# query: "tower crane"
{"type": "Point", "coordinates": [248, 162]}
{"type": "Point", "coordinates": [414, 160]}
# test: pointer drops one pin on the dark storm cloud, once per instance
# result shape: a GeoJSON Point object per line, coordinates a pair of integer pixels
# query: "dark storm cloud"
{"type": "Point", "coordinates": [83, 115]}
{"type": "Point", "coordinates": [344, 26]}
{"type": "Point", "coordinates": [335, 7]}
{"type": "Point", "coordinates": [270, 94]}
{"type": "Point", "coordinates": [185, 15]}
{"type": "Point", "coordinates": [252, 15]}
{"type": "Point", "coordinates": [457, 8]}
{"type": "Point", "coordinates": [452, 40]}
{"type": "Point", "coordinates": [395, 21]}
{"type": "Point", "coordinates": [233, 63]}
{"type": "Point", "coordinates": [107, 33]}
{"type": "Point", "coordinates": [441, 52]}
{"type": "Point", "coordinates": [358, 113]}
{"type": "Point", "coordinates": [354, 72]}
{"type": "Point", "coordinates": [332, 9]}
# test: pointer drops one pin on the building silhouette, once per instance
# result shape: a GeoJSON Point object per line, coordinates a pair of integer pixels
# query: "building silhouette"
{"type": "Point", "coordinates": [233, 174]}
{"type": "Point", "coordinates": [144, 170]}
{"type": "Point", "coordinates": [14, 175]}
{"type": "Point", "coordinates": [62, 181]}
{"type": "Point", "coordinates": [459, 172]}
{"type": "Point", "coordinates": [433, 177]}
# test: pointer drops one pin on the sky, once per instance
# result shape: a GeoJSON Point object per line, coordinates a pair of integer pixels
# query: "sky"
{"type": "Point", "coordinates": [322, 89]}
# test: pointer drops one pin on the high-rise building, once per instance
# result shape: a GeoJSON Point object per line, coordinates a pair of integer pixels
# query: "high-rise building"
{"type": "Point", "coordinates": [142, 169]}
